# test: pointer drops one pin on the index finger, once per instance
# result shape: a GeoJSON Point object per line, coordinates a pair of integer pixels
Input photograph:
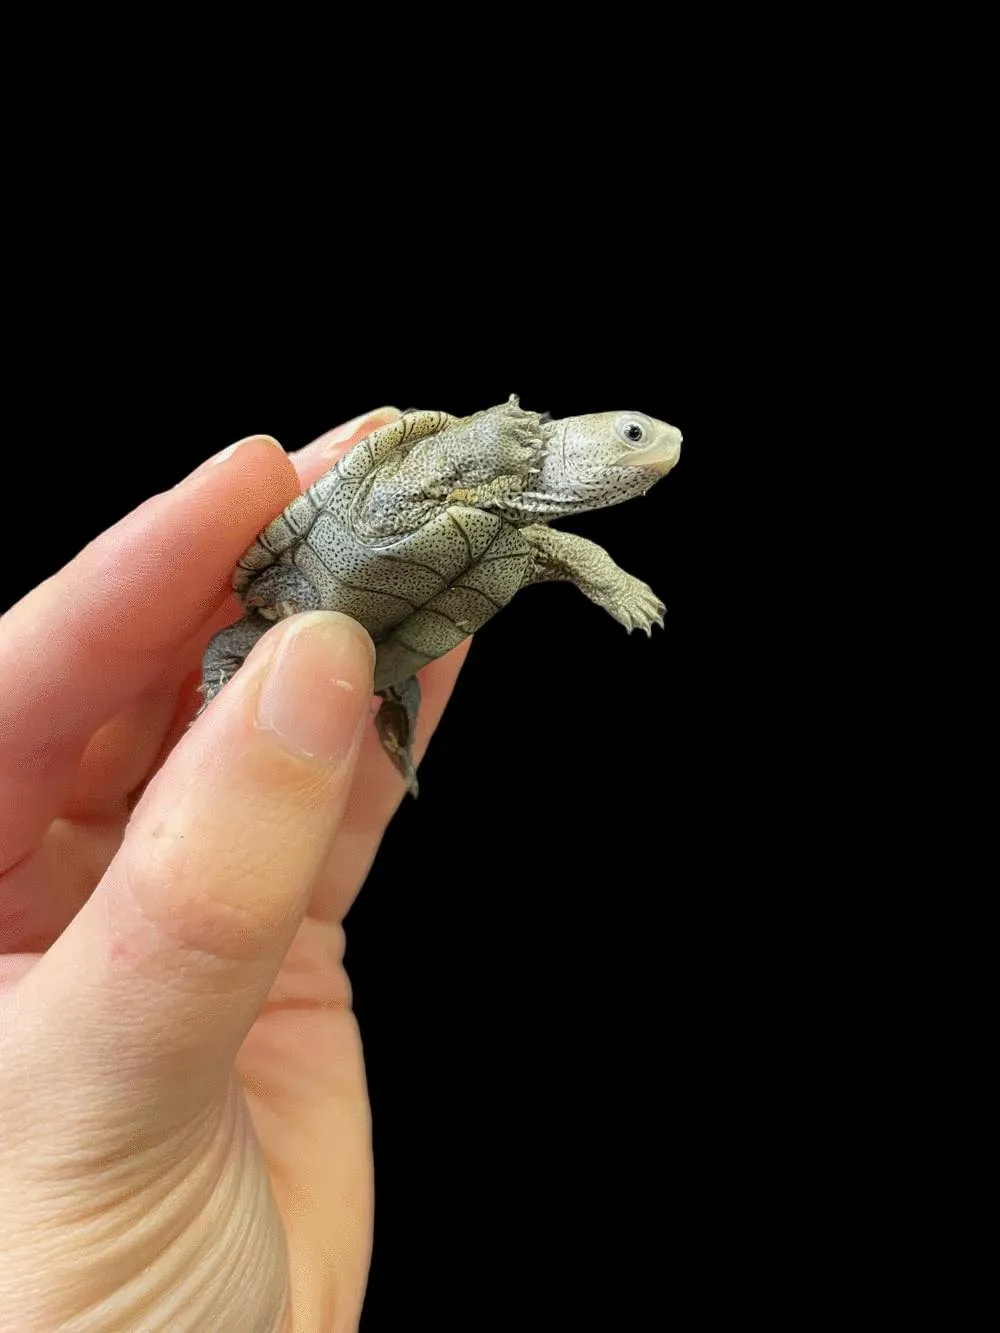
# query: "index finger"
{"type": "Point", "coordinates": [83, 643]}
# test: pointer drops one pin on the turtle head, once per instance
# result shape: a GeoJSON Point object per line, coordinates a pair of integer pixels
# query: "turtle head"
{"type": "Point", "coordinates": [640, 448]}
{"type": "Point", "coordinates": [593, 461]}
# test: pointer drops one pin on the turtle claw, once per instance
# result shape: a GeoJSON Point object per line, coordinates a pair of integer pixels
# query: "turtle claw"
{"type": "Point", "coordinates": [639, 608]}
{"type": "Point", "coordinates": [396, 722]}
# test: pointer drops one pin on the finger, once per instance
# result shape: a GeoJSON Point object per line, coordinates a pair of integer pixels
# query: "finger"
{"type": "Point", "coordinates": [14, 966]}
{"type": "Point", "coordinates": [98, 632]}
{"type": "Point", "coordinates": [44, 891]}
{"type": "Point", "coordinates": [123, 754]}
{"type": "Point", "coordinates": [159, 977]}
{"type": "Point", "coordinates": [376, 792]}
{"type": "Point", "coordinates": [118, 756]}
{"type": "Point", "coordinates": [319, 456]}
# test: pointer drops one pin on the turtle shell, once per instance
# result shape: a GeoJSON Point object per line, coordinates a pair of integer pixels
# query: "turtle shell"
{"type": "Point", "coordinates": [338, 486]}
{"type": "Point", "coordinates": [418, 595]}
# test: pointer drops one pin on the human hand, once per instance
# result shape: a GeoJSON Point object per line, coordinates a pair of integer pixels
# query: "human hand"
{"type": "Point", "coordinates": [184, 1133]}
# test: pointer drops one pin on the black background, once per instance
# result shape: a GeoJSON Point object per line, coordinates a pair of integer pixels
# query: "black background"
{"type": "Point", "coordinates": [550, 958]}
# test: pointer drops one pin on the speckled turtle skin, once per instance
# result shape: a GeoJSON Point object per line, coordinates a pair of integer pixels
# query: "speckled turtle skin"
{"type": "Point", "coordinates": [429, 526]}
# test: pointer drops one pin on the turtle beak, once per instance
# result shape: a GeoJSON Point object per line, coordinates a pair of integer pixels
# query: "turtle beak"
{"type": "Point", "coordinates": [665, 452]}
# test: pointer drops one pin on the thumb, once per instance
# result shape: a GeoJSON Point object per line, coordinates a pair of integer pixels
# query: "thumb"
{"type": "Point", "coordinates": [160, 976]}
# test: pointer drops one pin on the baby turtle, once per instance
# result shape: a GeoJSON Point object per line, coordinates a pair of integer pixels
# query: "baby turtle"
{"type": "Point", "coordinates": [430, 525]}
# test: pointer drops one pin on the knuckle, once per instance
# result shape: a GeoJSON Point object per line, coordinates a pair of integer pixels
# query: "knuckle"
{"type": "Point", "coordinates": [221, 899]}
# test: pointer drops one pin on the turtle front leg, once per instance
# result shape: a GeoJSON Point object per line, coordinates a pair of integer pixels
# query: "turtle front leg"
{"type": "Point", "coordinates": [396, 724]}
{"type": "Point", "coordinates": [563, 555]}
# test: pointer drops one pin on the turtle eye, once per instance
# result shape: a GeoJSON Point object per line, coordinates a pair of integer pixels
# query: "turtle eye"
{"type": "Point", "coordinates": [632, 432]}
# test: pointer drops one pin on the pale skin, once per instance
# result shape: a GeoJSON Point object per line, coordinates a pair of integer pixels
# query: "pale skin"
{"type": "Point", "coordinates": [184, 1126]}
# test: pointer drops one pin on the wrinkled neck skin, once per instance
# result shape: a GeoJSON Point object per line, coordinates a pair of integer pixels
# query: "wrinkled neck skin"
{"type": "Point", "coordinates": [564, 485]}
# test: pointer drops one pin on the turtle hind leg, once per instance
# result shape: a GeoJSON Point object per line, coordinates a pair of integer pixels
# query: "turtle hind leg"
{"type": "Point", "coordinates": [281, 590]}
{"type": "Point", "coordinates": [396, 723]}
{"type": "Point", "coordinates": [226, 652]}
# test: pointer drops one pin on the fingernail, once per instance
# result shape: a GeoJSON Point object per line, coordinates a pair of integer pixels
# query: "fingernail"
{"type": "Point", "coordinates": [318, 685]}
{"type": "Point", "coordinates": [330, 443]}
{"type": "Point", "coordinates": [228, 452]}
